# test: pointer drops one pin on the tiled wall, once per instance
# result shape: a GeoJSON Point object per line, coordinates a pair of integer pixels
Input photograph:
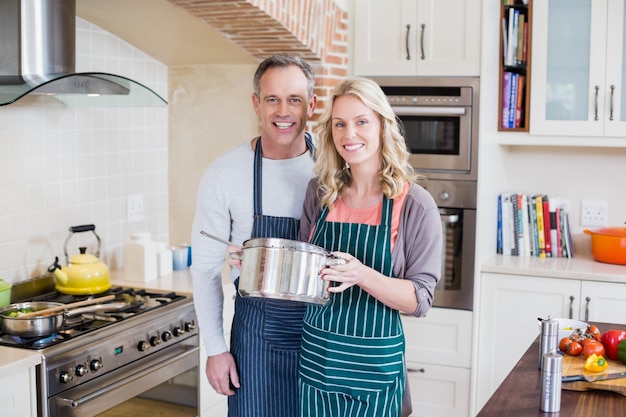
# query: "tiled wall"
{"type": "Point", "coordinates": [66, 166]}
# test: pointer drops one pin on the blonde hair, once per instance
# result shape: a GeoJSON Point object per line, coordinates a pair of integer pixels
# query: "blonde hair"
{"type": "Point", "coordinates": [330, 168]}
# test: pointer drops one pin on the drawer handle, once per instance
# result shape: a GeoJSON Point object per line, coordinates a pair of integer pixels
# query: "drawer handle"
{"type": "Point", "coordinates": [413, 370]}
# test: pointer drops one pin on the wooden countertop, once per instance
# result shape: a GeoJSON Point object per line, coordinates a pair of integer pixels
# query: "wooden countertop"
{"type": "Point", "coordinates": [518, 395]}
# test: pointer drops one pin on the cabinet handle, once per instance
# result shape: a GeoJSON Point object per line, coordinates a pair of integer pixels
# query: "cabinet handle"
{"type": "Point", "coordinates": [422, 40]}
{"type": "Point", "coordinates": [612, 97]}
{"type": "Point", "coordinates": [406, 43]}
{"type": "Point", "coordinates": [571, 306]}
{"type": "Point", "coordinates": [596, 103]}
{"type": "Point", "coordinates": [421, 370]}
{"type": "Point", "coordinates": [588, 299]}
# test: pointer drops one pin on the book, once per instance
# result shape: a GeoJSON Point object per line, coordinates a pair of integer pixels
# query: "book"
{"type": "Point", "coordinates": [506, 97]}
{"type": "Point", "coordinates": [559, 235]}
{"type": "Point", "coordinates": [517, 224]}
{"type": "Point", "coordinates": [512, 37]}
{"type": "Point", "coordinates": [513, 100]}
{"type": "Point", "coordinates": [505, 41]}
{"type": "Point", "coordinates": [526, 250]}
{"type": "Point", "coordinates": [552, 203]}
{"type": "Point", "coordinates": [499, 227]}
{"type": "Point", "coordinates": [507, 223]}
{"type": "Point", "coordinates": [547, 226]}
{"type": "Point", "coordinates": [519, 100]}
{"type": "Point", "coordinates": [519, 61]}
{"type": "Point", "coordinates": [532, 212]}
{"type": "Point", "coordinates": [541, 238]}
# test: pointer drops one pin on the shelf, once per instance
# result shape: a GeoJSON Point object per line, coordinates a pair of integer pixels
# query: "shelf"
{"type": "Point", "coordinates": [559, 141]}
{"type": "Point", "coordinates": [514, 66]}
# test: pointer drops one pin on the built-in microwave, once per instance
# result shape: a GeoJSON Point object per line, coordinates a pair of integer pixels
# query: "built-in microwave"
{"type": "Point", "coordinates": [439, 116]}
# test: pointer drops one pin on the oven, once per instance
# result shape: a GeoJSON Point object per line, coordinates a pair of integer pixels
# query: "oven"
{"type": "Point", "coordinates": [109, 363]}
{"type": "Point", "coordinates": [439, 116]}
{"type": "Point", "coordinates": [457, 206]}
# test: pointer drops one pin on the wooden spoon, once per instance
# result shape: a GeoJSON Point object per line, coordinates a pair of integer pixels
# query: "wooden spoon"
{"type": "Point", "coordinates": [51, 310]}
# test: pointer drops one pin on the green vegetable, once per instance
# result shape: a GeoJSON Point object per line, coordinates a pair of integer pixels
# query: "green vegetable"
{"type": "Point", "coordinates": [21, 311]}
{"type": "Point", "coordinates": [621, 351]}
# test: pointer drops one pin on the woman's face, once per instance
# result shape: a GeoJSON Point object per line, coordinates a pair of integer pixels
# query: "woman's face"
{"type": "Point", "coordinates": [356, 132]}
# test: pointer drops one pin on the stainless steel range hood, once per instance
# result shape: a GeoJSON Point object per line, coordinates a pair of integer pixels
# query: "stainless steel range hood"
{"type": "Point", "coordinates": [37, 56]}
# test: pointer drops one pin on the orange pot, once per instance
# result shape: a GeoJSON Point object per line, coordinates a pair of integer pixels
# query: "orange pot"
{"type": "Point", "coordinates": [609, 244]}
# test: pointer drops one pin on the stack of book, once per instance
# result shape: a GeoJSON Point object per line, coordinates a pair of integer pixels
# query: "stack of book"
{"type": "Point", "coordinates": [514, 55]}
{"type": "Point", "coordinates": [533, 225]}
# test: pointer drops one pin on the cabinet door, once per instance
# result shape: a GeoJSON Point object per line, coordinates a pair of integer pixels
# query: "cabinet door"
{"type": "Point", "coordinates": [615, 85]}
{"type": "Point", "coordinates": [448, 38]}
{"type": "Point", "coordinates": [509, 308]}
{"type": "Point", "coordinates": [385, 36]}
{"type": "Point", "coordinates": [443, 337]}
{"type": "Point", "coordinates": [603, 302]}
{"type": "Point", "coordinates": [568, 67]}
{"type": "Point", "coordinates": [17, 394]}
{"type": "Point", "coordinates": [439, 391]}
{"type": "Point", "coordinates": [423, 37]}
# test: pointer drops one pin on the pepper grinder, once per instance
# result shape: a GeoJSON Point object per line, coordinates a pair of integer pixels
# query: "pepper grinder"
{"type": "Point", "coordinates": [551, 373]}
{"type": "Point", "coordinates": [548, 340]}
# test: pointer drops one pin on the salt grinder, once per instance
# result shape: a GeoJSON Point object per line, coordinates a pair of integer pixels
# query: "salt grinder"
{"type": "Point", "coordinates": [548, 341]}
{"type": "Point", "coordinates": [551, 373]}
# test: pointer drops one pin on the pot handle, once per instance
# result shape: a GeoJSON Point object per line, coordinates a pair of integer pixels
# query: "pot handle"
{"type": "Point", "coordinates": [334, 260]}
{"type": "Point", "coordinates": [587, 232]}
{"type": "Point", "coordinates": [80, 229]}
{"type": "Point", "coordinates": [238, 256]}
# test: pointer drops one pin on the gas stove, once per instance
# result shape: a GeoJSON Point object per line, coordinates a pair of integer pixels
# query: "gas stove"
{"type": "Point", "coordinates": [97, 360]}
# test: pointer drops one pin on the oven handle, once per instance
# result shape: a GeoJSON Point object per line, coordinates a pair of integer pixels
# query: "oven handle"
{"type": "Point", "coordinates": [75, 403]}
{"type": "Point", "coordinates": [429, 110]}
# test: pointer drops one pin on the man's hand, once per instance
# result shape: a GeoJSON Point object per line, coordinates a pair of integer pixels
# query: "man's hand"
{"type": "Point", "coordinates": [222, 372]}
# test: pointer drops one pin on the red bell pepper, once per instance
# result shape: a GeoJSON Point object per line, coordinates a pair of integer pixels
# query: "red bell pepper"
{"type": "Point", "coordinates": [610, 339]}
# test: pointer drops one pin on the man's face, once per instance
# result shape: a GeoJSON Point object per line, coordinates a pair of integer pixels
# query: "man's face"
{"type": "Point", "coordinates": [283, 106]}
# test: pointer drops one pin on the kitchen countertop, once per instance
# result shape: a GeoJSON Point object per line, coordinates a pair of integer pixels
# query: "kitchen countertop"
{"type": "Point", "coordinates": [179, 281]}
{"type": "Point", "coordinates": [14, 360]}
{"type": "Point", "coordinates": [518, 395]}
{"type": "Point", "coordinates": [582, 267]}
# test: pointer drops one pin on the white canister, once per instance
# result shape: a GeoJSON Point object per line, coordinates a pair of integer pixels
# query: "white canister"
{"type": "Point", "coordinates": [164, 259]}
{"type": "Point", "coordinates": [140, 258]}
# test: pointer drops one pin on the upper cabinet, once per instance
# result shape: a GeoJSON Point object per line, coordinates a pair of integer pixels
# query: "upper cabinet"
{"type": "Point", "coordinates": [417, 37]}
{"type": "Point", "coordinates": [578, 72]}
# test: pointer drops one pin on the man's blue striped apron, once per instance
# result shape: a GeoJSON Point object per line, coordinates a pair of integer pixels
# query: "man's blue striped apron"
{"type": "Point", "coordinates": [352, 359]}
{"type": "Point", "coordinates": [266, 334]}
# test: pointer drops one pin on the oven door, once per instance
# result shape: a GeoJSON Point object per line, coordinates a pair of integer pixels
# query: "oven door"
{"type": "Point", "coordinates": [137, 379]}
{"type": "Point", "coordinates": [438, 137]}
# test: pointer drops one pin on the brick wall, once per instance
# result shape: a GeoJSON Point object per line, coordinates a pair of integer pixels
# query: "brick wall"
{"type": "Point", "coordinates": [316, 30]}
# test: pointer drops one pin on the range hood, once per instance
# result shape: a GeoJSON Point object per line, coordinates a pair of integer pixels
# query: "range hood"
{"type": "Point", "coordinates": [38, 56]}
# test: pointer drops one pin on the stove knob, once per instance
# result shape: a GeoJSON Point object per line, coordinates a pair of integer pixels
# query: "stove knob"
{"type": "Point", "coordinates": [81, 370]}
{"type": "Point", "coordinates": [65, 377]}
{"type": "Point", "coordinates": [95, 365]}
{"type": "Point", "coordinates": [155, 340]}
{"type": "Point", "coordinates": [178, 331]}
{"type": "Point", "coordinates": [166, 336]}
{"type": "Point", "coordinates": [190, 326]}
{"type": "Point", "coordinates": [143, 346]}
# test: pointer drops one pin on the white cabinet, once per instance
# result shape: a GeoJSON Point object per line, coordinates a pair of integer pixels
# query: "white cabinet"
{"type": "Point", "coordinates": [18, 393]}
{"type": "Point", "coordinates": [510, 306]}
{"type": "Point", "coordinates": [417, 37]}
{"type": "Point", "coordinates": [213, 404]}
{"type": "Point", "coordinates": [578, 72]}
{"type": "Point", "coordinates": [438, 356]}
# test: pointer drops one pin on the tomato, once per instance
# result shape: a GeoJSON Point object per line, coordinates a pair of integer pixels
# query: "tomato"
{"type": "Point", "coordinates": [610, 340]}
{"type": "Point", "coordinates": [588, 339]}
{"type": "Point", "coordinates": [574, 348]}
{"type": "Point", "coordinates": [564, 343]}
{"type": "Point", "coordinates": [593, 347]}
{"type": "Point", "coordinates": [593, 332]}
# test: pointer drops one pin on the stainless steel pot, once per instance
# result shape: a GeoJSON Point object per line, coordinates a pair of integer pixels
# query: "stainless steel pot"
{"type": "Point", "coordinates": [285, 269]}
{"type": "Point", "coordinates": [31, 326]}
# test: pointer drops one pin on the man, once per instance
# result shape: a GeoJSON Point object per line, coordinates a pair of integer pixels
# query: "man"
{"type": "Point", "coordinates": [259, 373]}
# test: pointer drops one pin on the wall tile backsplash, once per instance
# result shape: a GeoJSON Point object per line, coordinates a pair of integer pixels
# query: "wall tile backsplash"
{"type": "Point", "coordinates": [66, 166]}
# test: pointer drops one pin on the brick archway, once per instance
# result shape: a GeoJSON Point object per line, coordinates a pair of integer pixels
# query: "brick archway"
{"type": "Point", "coordinates": [317, 30]}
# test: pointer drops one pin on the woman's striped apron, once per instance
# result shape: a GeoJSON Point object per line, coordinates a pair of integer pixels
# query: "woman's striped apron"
{"type": "Point", "coordinates": [352, 359]}
{"type": "Point", "coordinates": [266, 333]}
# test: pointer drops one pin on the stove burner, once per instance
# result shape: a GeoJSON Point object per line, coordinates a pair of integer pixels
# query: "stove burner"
{"type": "Point", "coordinates": [39, 342]}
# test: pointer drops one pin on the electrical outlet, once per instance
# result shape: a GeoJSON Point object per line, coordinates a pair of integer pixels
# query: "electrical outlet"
{"type": "Point", "coordinates": [135, 208]}
{"type": "Point", "coordinates": [593, 213]}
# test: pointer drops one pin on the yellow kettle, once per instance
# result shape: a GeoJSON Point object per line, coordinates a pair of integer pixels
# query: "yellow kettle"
{"type": "Point", "coordinates": [84, 274]}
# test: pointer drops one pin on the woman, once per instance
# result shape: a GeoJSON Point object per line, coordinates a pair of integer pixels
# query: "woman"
{"type": "Point", "coordinates": [365, 207]}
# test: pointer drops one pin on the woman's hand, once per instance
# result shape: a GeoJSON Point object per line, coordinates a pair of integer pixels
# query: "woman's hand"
{"type": "Point", "coordinates": [351, 273]}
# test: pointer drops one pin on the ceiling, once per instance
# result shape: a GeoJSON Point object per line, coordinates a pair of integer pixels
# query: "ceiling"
{"type": "Point", "coordinates": [167, 33]}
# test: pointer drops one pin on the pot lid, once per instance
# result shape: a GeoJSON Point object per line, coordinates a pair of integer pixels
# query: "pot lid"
{"type": "Point", "coordinates": [610, 231]}
{"type": "Point", "coordinates": [83, 258]}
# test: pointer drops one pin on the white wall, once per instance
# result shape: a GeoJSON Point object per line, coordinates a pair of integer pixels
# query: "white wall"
{"type": "Point", "coordinates": [66, 166]}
